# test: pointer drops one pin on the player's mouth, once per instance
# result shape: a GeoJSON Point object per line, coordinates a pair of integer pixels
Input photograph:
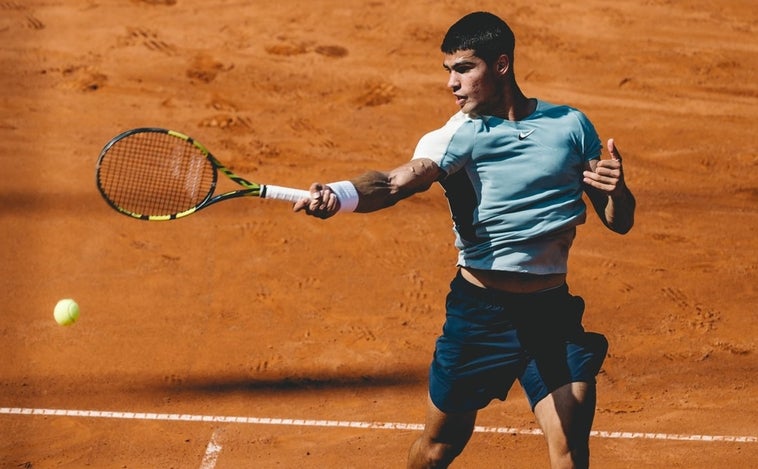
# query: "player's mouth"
{"type": "Point", "coordinates": [460, 100]}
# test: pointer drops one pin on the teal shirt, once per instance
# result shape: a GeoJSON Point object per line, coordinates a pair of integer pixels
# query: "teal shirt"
{"type": "Point", "coordinates": [514, 187]}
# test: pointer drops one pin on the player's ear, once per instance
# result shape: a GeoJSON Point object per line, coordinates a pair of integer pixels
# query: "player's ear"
{"type": "Point", "coordinates": [502, 64]}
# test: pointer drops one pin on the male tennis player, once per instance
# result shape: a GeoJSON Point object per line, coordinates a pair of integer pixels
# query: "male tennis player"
{"type": "Point", "coordinates": [514, 170]}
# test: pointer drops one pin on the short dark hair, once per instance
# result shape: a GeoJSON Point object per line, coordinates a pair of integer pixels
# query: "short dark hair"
{"type": "Point", "coordinates": [484, 33]}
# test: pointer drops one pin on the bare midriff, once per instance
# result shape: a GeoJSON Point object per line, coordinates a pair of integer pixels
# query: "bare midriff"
{"type": "Point", "coordinates": [512, 282]}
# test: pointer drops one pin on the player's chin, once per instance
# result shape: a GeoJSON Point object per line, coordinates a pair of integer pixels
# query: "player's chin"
{"type": "Point", "coordinates": [469, 107]}
{"type": "Point", "coordinates": [465, 106]}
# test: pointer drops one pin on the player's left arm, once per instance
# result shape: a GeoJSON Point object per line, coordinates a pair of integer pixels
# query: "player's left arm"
{"type": "Point", "coordinates": [372, 190]}
{"type": "Point", "coordinates": [608, 192]}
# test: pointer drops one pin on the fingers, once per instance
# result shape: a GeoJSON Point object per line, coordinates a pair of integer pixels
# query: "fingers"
{"type": "Point", "coordinates": [613, 151]}
{"type": "Point", "coordinates": [613, 167]}
{"type": "Point", "coordinates": [608, 168]}
{"type": "Point", "coordinates": [323, 200]}
{"type": "Point", "coordinates": [607, 175]}
{"type": "Point", "coordinates": [323, 203]}
{"type": "Point", "coordinates": [605, 178]}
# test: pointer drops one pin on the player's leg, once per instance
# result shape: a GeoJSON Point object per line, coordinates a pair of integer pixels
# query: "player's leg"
{"type": "Point", "coordinates": [444, 437]}
{"type": "Point", "coordinates": [559, 379]}
{"type": "Point", "coordinates": [565, 417]}
{"type": "Point", "coordinates": [566, 413]}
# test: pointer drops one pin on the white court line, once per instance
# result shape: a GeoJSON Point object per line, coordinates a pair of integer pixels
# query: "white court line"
{"type": "Point", "coordinates": [354, 424]}
{"type": "Point", "coordinates": [211, 452]}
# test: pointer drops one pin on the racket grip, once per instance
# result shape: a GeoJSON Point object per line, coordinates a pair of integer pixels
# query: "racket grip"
{"type": "Point", "coordinates": [284, 193]}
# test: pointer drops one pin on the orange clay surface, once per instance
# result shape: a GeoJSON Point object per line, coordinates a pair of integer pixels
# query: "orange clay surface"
{"type": "Point", "coordinates": [246, 309]}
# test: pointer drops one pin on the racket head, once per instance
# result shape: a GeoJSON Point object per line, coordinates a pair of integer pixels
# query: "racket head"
{"type": "Point", "coordinates": [155, 174]}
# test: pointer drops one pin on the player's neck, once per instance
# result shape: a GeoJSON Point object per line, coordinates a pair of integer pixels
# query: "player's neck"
{"type": "Point", "coordinates": [514, 105]}
{"type": "Point", "coordinates": [518, 105]}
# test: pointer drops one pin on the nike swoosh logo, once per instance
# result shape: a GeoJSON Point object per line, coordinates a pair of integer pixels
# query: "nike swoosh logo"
{"type": "Point", "coordinates": [523, 135]}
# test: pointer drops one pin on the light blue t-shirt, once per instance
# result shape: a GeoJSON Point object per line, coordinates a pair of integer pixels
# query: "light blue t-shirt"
{"type": "Point", "coordinates": [514, 187]}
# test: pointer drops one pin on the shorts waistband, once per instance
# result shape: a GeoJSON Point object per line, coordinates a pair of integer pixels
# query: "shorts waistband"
{"type": "Point", "coordinates": [499, 296]}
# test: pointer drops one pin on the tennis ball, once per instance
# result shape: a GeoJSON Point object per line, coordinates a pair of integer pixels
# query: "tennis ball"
{"type": "Point", "coordinates": [66, 312]}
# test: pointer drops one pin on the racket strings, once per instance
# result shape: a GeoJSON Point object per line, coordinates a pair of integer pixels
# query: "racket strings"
{"type": "Point", "coordinates": [156, 174]}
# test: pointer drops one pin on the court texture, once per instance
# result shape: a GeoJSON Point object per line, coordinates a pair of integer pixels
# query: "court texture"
{"type": "Point", "coordinates": [248, 336]}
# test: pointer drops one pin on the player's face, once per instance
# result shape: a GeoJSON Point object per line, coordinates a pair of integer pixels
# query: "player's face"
{"type": "Point", "coordinates": [473, 83]}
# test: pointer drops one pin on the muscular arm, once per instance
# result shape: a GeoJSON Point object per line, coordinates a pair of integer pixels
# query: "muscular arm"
{"type": "Point", "coordinates": [376, 189]}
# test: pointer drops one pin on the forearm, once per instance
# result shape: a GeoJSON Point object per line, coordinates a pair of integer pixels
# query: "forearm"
{"type": "Point", "coordinates": [375, 191]}
{"type": "Point", "coordinates": [378, 190]}
{"type": "Point", "coordinates": [619, 211]}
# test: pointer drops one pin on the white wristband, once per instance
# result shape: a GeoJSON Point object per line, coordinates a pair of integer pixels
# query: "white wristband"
{"type": "Point", "coordinates": [347, 195]}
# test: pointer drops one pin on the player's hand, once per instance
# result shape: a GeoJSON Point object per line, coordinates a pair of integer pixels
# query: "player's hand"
{"type": "Point", "coordinates": [607, 175]}
{"type": "Point", "coordinates": [323, 203]}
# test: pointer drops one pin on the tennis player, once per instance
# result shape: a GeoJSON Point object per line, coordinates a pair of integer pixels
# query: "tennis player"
{"type": "Point", "coordinates": [514, 170]}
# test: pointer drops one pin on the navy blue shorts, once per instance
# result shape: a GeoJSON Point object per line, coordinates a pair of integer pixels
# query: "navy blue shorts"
{"type": "Point", "coordinates": [491, 338]}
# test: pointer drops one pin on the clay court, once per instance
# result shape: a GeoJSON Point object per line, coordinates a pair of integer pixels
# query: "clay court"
{"type": "Point", "coordinates": [249, 336]}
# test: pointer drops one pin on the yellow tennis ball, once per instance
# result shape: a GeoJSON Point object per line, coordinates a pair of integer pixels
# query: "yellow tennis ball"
{"type": "Point", "coordinates": [66, 312]}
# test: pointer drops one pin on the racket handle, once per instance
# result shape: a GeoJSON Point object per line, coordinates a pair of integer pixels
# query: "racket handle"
{"type": "Point", "coordinates": [284, 193]}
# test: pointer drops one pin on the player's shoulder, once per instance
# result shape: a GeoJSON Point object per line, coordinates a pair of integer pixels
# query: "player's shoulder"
{"type": "Point", "coordinates": [562, 114]}
{"type": "Point", "coordinates": [545, 108]}
{"type": "Point", "coordinates": [454, 125]}
{"type": "Point", "coordinates": [458, 131]}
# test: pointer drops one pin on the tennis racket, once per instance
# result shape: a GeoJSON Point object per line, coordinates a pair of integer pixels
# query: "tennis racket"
{"type": "Point", "coordinates": [157, 174]}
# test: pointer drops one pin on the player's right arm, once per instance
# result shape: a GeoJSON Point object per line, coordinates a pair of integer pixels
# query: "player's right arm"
{"type": "Point", "coordinates": [373, 190]}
